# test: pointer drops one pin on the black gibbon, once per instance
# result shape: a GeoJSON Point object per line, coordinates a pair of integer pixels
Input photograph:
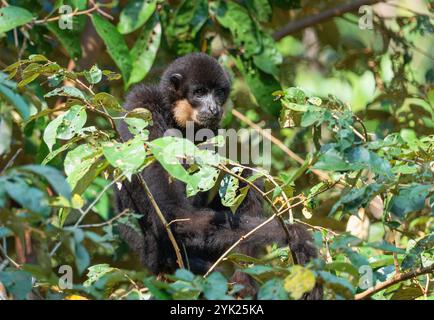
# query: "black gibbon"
{"type": "Point", "coordinates": [194, 88]}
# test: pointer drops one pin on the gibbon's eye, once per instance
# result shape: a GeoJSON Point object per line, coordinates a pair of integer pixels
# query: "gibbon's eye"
{"type": "Point", "coordinates": [220, 92]}
{"type": "Point", "coordinates": [199, 91]}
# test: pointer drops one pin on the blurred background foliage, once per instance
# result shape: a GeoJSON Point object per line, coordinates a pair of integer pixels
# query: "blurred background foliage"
{"type": "Point", "coordinates": [383, 72]}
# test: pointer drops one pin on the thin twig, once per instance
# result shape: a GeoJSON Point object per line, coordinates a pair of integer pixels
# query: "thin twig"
{"type": "Point", "coordinates": [163, 220]}
{"type": "Point", "coordinates": [323, 176]}
{"type": "Point", "coordinates": [316, 227]}
{"type": "Point", "coordinates": [3, 252]}
{"type": "Point", "coordinates": [248, 234]}
{"type": "Point", "coordinates": [286, 200]}
{"type": "Point", "coordinates": [106, 223]}
{"type": "Point", "coordinates": [95, 201]}
{"type": "Point", "coordinates": [357, 133]}
{"type": "Point", "coordinates": [178, 220]}
{"type": "Point", "coordinates": [298, 25]}
{"type": "Point", "coordinates": [398, 6]}
{"type": "Point", "coordinates": [88, 209]}
{"type": "Point", "coordinates": [75, 13]}
{"type": "Point", "coordinates": [396, 279]}
{"type": "Point", "coordinates": [12, 160]}
{"type": "Point", "coordinates": [244, 237]}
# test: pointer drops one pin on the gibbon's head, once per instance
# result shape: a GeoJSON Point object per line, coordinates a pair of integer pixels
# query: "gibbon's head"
{"type": "Point", "coordinates": [197, 88]}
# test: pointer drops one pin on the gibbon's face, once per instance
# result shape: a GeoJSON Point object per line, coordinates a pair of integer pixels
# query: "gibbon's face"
{"type": "Point", "coordinates": [202, 88]}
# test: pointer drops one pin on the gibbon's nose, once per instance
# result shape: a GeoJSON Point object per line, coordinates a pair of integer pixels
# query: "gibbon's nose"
{"type": "Point", "coordinates": [214, 109]}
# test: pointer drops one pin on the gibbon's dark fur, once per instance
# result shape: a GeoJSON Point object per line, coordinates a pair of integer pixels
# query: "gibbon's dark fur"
{"type": "Point", "coordinates": [195, 87]}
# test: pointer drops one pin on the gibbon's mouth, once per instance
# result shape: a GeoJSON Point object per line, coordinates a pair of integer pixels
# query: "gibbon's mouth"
{"type": "Point", "coordinates": [208, 121]}
{"type": "Point", "coordinates": [183, 112]}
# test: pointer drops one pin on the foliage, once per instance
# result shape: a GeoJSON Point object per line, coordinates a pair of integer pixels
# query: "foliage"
{"type": "Point", "coordinates": [362, 129]}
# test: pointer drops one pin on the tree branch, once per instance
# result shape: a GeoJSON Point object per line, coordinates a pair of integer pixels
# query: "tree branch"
{"type": "Point", "coordinates": [163, 220]}
{"type": "Point", "coordinates": [248, 234]}
{"type": "Point", "coordinates": [298, 25]}
{"type": "Point", "coordinates": [322, 175]}
{"type": "Point", "coordinates": [106, 223]}
{"type": "Point", "coordinates": [394, 280]}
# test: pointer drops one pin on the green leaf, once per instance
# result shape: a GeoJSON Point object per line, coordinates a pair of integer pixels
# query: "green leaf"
{"type": "Point", "coordinates": [231, 195]}
{"type": "Point", "coordinates": [50, 132]}
{"type": "Point", "coordinates": [29, 197]}
{"type": "Point", "coordinates": [258, 270]}
{"type": "Point", "coordinates": [18, 283]}
{"type": "Point", "coordinates": [414, 258]}
{"type": "Point", "coordinates": [260, 9]}
{"type": "Point", "coordinates": [229, 187]}
{"type": "Point", "coordinates": [332, 160]}
{"type": "Point", "coordinates": [262, 86]}
{"type": "Point", "coordinates": [12, 17]}
{"type": "Point", "coordinates": [384, 246]}
{"type": "Point", "coordinates": [312, 117]}
{"type": "Point", "coordinates": [344, 241]}
{"type": "Point", "coordinates": [66, 92]}
{"type": "Point", "coordinates": [79, 161]}
{"type": "Point", "coordinates": [128, 156]}
{"type": "Point", "coordinates": [59, 150]}
{"type": "Point", "coordinates": [107, 101]}
{"type": "Point", "coordinates": [339, 285]}
{"type": "Point", "coordinates": [65, 126]}
{"type": "Point", "coordinates": [409, 199]}
{"type": "Point", "coordinates": [137, 127]}
{"type": "Point", "coordinates": [272, 290]}
{"type": "Point", "coordinates": [344, 267]}
{"type": "Point", "coordinates": [368, 159]}
{"type": "Point", "coordinates": [215, 287]}
{"type": "Point", "coordinates": [145, 50]}
{"type": "Point", "coordinates": [111, 75]}
{"type": "Point", "coordinates": [5, 135]}
{"type": "Point", "coordinates": [169, 151]}
{"type": "Point", "coordinates": [140, 113]}
{"type": "Point", "coordinates": [94, 75]}
{"type": "Point", "coordinates": [185, 275]}
{"type": "Point", "coordinates": [53, 176]}
{"type": "Point", "coordinates": [269, 58]}
{"type": "Point", "coordinates": [96, 272]}
{"type": "Point", "coordinates": [5, 232]}
{"type": "Point", "coordinates": [28, 79]}
{"type": "Point", "coordinates": [233, 16]}
{"type": "Point", "coordinates": [15, 99]}
{"type": "Point", "coordinates": [116, 46]}
{"type": "Point", "coordinates": [3, 192]}
{"type": "Point", "coordinates": [70, 39]}
{"type": "Point", "coordinates": [207, 178]}
{"type": "Point", "coordinates": [82, 258]}
{"type": "Point", "coordinates": [294, 95]}
{"type": "Point", "coordinates": [135, 14]}
{"type": "Point", "coordinates": [182, 32]}
{"type": "Point", "coordinates": [300, 281]}
{"type": "Point", "coordinates": [357, 198]}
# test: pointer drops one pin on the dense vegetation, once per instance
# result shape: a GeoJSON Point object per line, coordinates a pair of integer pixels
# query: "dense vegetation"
{"type": "Point", "coordinates": [350, 105]}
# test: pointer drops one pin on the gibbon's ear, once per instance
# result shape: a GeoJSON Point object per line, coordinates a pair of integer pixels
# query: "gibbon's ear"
{"type": "Point", "coordinates": [176, 79]}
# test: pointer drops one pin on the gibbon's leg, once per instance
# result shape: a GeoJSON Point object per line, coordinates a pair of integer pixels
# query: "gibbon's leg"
{"type": "Point", "coordinates": [209, 234]}
{"type": "Point", "coordinates": [145, 241]}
